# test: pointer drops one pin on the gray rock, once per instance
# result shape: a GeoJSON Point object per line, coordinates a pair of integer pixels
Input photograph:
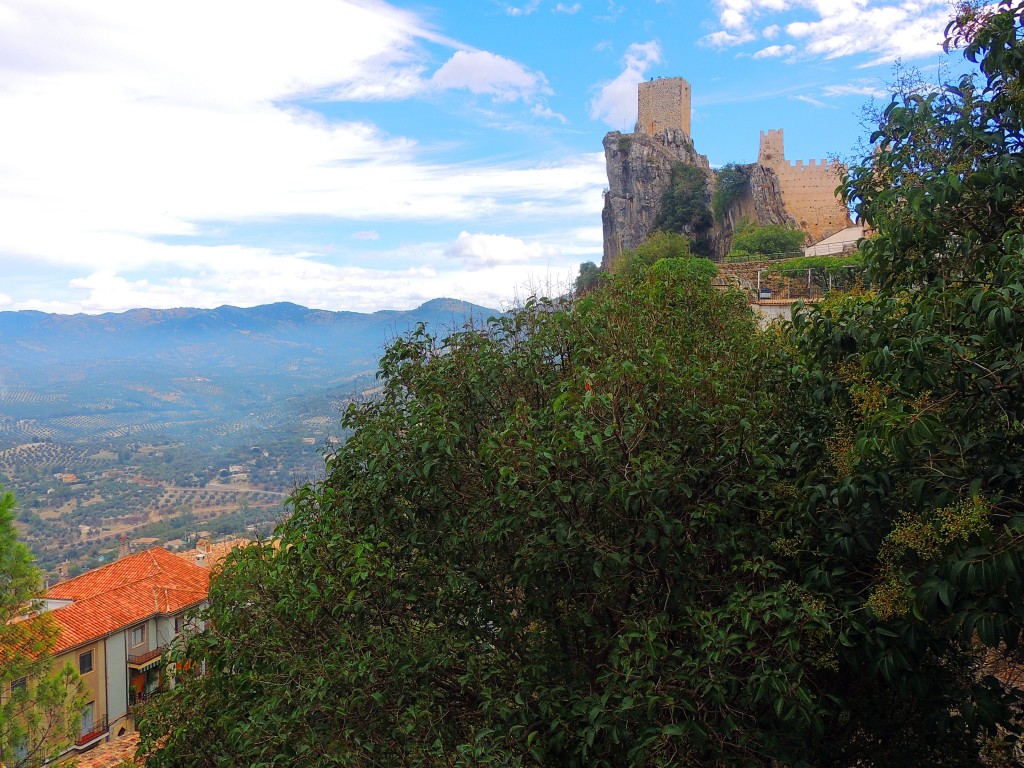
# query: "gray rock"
{"type": "Point", "coordinates": [640, 171]}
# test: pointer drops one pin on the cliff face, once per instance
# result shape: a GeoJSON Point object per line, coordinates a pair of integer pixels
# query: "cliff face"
{"type": "Point", "coordinates": [640, 170]}
{"type": "Point", "coordinates": [761, 202]}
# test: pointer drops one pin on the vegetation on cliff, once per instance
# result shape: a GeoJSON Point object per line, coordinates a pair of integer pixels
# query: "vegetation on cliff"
{"type": "Point", "coordinates": [685, 207]}
{"type": "Point", "coordinates": [630, 529]}
{"type": "Point", "coordinates": [731, 181]}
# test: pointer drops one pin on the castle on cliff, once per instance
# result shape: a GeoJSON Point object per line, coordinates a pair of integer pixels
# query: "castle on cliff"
{"type": "Point", "coordinates": [639, 171]}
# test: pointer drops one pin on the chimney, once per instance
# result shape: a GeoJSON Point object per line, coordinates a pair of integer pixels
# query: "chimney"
{"type": "Point", "coordinates": [62, 571]}
{"type": "Point", "coordinates": [123, 548]}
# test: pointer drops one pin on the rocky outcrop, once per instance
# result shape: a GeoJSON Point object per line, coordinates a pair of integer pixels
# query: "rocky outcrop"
{"type": "Point", "coordinates": [761, 201]}
{"type": "Point", "coordinates": [640, 171]}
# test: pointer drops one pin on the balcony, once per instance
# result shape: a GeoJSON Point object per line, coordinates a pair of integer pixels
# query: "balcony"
{"type": "Point", "coordinates": [95, 730]}
{"type": "Point", "coordinates": [141, 659]}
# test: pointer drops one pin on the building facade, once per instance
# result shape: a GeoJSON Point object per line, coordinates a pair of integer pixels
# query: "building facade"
{"type": "Point", "coordinates": [113, 625]}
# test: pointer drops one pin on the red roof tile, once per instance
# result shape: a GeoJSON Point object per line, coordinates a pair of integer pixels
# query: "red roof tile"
{"type": "Point", "coordinates": [212, 556]}
{"type": "Point", "coordinates": [123, 593]}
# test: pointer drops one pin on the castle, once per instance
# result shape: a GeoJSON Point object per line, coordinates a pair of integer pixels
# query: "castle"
{"type": "Point", "coordinates": [639, 166]}
{"type": "Point", "coordinates": [808, 189]}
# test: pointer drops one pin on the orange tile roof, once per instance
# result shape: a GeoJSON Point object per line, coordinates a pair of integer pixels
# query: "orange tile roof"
{"type": "Point", "coordinates": [112, 754]}
{"type": "Point", "coordinates": [123, 593]}
{"type": "Point", "coordinates": [215, 556]}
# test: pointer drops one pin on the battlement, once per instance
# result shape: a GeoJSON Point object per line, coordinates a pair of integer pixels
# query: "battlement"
{"type": "Point", "coordinates": [811, 164]}
{"type": "Point", "coordinates": [808, 187]}
{"type": "Point", "coordinates": [663, 104]}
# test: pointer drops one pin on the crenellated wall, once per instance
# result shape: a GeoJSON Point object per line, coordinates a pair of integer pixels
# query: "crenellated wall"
{"type": "Point", "coordinates": [808, 189]}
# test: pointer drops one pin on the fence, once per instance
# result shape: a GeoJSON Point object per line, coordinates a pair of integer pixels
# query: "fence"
{"type": "Point", "coordinates": [91, 730]}
{"type": "Point", "coordinates": [792, 284]}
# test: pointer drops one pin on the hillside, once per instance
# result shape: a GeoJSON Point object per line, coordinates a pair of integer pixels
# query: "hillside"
{"type": "Point", "coordinates": [159, 422]}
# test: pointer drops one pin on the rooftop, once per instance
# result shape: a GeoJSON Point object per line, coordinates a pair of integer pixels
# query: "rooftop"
{"type": "Point", "coordinates": [123, 593]}
{"type": "Point", "coordinates": [210, 556]}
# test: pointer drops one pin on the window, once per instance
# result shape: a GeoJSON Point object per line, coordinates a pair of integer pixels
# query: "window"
{"type": "Point", "coordinates": [138, 635]}
{"type": "Point", "coordinates": [88, 719]}
{"type": "Point", "coordinates": [179, 624]}
{"type": "Point", "coordinates": [19, 685]}
{"type": "Point", "coordinates": [21, 751]}
{"type": "Point", "coordinates": [85, 663]}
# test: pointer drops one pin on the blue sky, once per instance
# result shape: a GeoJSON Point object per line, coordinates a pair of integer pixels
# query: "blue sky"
{"type": "Point", "coordinates": [363, 155]}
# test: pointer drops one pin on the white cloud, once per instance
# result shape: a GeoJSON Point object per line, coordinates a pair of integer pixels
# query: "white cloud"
{"type": "Point", "coordinates": [726, 39]}
{"type": "Point", "coordinates": [882, 29]}
{"type": "Point", "coordinates": [543, 111]}
{"type": "Point", "coordinates": [481, 72]}
{"type": "Point", "coordinates": [483, 268]}
{"type": "Point", "coordinates": [860, 88]}
{"type": "Point", "coordinates": [137, 133]}
{"type": "Point", "coordinates": [480, 251]}
{"type": "Point", "coordinates": [366, 234]}
{"type": "Point", "coordinates": [522, 10]}
{"type": "Point", "coordinates": [615, 102]}
{"type": "Point", "coordinates": [774, 52]}
{"type": "Point", "coordinates": [570, 9]}
{"type": "Point", "coordinates": [810, 100]}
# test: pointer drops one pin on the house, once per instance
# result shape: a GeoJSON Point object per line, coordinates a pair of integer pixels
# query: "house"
{"type": "Point", "coordinates": [209, 555]}
{"type": "Point", "coordinates": [113, 624]}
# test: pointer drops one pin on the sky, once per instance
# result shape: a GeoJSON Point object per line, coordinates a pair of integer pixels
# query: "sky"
{"type": "Point", "coordinates": [363, 155]}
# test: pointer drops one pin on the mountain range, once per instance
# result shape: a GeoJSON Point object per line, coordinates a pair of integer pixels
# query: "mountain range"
{"type": "Point", "coordinates": [181, 372]}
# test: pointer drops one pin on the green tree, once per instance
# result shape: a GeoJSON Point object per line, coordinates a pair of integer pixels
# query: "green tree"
{"type": "Point", "coordinates": [589, 277]}
{"type": "Point", "coordinates": [549, 542]}
{"type": "Point", "coordinates": [685, 206]}
{"type": "Point", "coordinates": [730, 184]}
{"type": "Point", "coordinates": [752, 240]}
{"type": "Point", "coordinates": [39, 710]}
{"type": "Point", "coordinates": [914, 393]}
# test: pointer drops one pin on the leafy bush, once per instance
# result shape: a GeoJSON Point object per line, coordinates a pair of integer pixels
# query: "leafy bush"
{"type": "Point", "coordinates": [545, 544]}
{"type": "Point", "coordinates": [751, 240]}
{"type": "Point", "coordinates": [659, 245]}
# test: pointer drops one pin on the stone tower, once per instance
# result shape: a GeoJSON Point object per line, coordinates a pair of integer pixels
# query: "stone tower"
{"type": "Point", "coordinates": [663, 104]}
{"type": "Point", "coordinates": [772, 149]}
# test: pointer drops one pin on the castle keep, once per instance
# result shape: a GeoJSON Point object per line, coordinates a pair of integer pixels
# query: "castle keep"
{"type": "Point", "coordinates": [663, 103]}
{"type": "Point", "coordinates": [640, 170]}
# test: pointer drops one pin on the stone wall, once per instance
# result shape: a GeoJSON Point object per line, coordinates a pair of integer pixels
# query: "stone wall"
{"type": "Point", "coordinates": [663, 104]}
{"type": "Point", "coordinates": [808, 189]}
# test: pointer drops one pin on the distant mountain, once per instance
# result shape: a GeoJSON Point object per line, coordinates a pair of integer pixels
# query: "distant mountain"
{"type": "Point", "coordinates": [186, 373]}
{"type": "Point", "coordinates": [272, 333]}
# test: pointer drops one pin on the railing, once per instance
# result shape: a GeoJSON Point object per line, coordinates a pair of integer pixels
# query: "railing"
{"type": "Point", "coordinates": [96, 729]}
{"type": "Point", "coordinates": [831, 248]}
{"type": "Point", "coordinates": [139, 697]}
{"type": "Point", "coordinates": [142, 658]}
